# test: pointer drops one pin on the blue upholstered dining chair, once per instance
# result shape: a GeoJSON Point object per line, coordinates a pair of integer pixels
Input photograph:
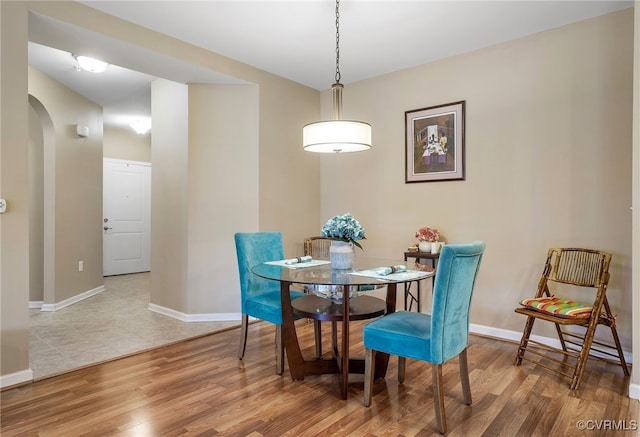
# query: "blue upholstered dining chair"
{"type": "Point", "coordinates": [260, 298]}
{"type": "Point", "coordinates": [435, 338]}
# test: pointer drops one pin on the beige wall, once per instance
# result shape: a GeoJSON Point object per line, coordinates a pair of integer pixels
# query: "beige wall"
{"type": "Point", "coordinates": [14, 188]}
{"type": "Point", "coordinates": [124, 143]}
{"type": "Point", "coordinates": [289, 177]}
{"type": "Point", "coordinates": [36, 207]}
{"type": "Point", "coordinates": [169, 195]}
{"type": "Point", "coordinates": [223, 174]}
{"type": "Point", "coordinates": [42, 174]}
{"type": "Point", "coordinates": [548, 160]}
{"type": "Point", "coordinates": [78, 187]}
{"type": "Point", "coordinates": [634, 390]}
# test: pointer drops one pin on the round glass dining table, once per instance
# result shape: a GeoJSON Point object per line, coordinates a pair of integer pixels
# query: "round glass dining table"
{"type": "Point", "coordinates": [346, 297]}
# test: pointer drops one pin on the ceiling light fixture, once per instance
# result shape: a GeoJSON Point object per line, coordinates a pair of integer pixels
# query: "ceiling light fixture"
{"type": "Point", "coordinates": [336, 135]}
{"type": "Point", "coordinates": [141, 126]}
{"type": "Point", "coordinates": [90, 64]}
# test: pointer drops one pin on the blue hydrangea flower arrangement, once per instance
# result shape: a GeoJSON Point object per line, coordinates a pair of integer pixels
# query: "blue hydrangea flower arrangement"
{"type": "Point", "coordinates": [344, 228]}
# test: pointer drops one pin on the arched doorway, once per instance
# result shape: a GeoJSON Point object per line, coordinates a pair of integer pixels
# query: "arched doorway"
{"type": "Point", "coordinates": [42, 203]}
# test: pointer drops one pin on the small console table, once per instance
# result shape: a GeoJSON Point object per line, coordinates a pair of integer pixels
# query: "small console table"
{"type": "Point", "coordinates": [409, 297]}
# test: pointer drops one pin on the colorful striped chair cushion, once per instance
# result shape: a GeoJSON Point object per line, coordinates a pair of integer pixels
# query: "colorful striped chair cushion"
{"type": "Point", "coordinates": [558, 307]}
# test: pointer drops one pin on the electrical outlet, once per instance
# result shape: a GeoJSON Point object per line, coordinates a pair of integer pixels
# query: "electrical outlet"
{"type": "Point", "coordinates": [80, 266]}
{"type": "Point", "coordinates": [3, 206]}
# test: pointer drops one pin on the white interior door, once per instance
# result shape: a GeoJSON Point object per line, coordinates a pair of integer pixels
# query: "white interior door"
{"type": "Point", "coordinates": [126, 217]}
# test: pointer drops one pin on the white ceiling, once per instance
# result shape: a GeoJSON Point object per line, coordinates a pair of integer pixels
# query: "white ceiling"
{"type": "Point", "coordinates": [293, 39]}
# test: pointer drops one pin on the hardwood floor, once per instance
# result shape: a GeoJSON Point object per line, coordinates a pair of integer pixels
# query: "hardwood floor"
{"type": "Point", "coordinates": [199, 388]}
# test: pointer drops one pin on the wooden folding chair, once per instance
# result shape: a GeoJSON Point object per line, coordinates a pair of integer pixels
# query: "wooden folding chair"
{"type": "Point", "coordinates": [317, 247]}
{"type": "Point", "coordinates": [586, 269]}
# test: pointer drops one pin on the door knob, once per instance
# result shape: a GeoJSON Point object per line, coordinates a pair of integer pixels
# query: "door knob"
{"type": "Point", "coordinates": [106, 228]}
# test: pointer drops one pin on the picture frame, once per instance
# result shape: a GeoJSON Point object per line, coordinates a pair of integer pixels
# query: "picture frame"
{"type": "Point", "coordinates": [434, 139]}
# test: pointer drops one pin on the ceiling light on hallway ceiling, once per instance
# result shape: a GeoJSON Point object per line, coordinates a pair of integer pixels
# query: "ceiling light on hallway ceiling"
{"type": "Point", "coordinates": [337, 135]}
{"type": "Point", "coordinates": [141, 126]}
{"type": "Point", "coordinates": [89, 64]}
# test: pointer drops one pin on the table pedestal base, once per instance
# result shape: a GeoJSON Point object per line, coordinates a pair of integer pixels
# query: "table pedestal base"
{"type": "Point", "coordinates": [340, 363]}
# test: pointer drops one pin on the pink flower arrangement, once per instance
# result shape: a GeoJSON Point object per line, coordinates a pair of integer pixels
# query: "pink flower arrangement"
{"type": "Point", "coordinates": [428, 234]}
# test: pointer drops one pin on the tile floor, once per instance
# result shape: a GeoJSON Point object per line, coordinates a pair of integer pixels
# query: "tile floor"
{"type": "Point", "coordinates": [111, 324]}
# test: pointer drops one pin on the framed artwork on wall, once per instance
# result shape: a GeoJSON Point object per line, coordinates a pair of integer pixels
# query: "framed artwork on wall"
{"type": "Point", "coordinates": [434, 138]}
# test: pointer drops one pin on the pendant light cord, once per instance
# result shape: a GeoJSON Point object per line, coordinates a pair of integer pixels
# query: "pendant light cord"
{"type": "Point", "coordinates": [337, 41]}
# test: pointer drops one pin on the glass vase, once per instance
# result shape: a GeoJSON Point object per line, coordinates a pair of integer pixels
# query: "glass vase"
{"type": "Point", "coordinates": [341, 255]}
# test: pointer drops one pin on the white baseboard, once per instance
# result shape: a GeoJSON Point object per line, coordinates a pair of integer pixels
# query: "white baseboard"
{"type": "Point", "coordinates": [35, 304]}
{"type": "Point", "coordinates": [212, 317]}
{"type": "Point", "coordinates": [505, 334]}
{"type": "Point", "coordinates": [16, 378]}
{"type": "Point", "coordinates": [46, 307]}
{"type": "Point", "coordinates": [634, 391]}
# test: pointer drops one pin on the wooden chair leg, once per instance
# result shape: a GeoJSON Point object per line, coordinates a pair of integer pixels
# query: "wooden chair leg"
{"type": "Point", "coordinates": [563, 345]}
{"type": "Point", "coordinates": [279, 351]}
{"type": "Point", "coordinates": [616, 340]}
{"type": "Point", "coordinates": [464, 377]}
{"type": "Point", "coordinates": [402, 365]}
{"type": "Point", "coordinates": [525, 339]}
{"type": "Point", "coordinates": [318, 335]}
{"type": "Point", "coordinates": [614, 332]}
{"type": "Point", "coordinates": [334, 335]}
{"type": "Point", "coordinates": [244, 325]}
{"type": "Point", "coordinates": [584, 355]}
{"type": "Point", "coordinates": [438, 397]}
{"type": "Point", "coordinates": [369, 370]}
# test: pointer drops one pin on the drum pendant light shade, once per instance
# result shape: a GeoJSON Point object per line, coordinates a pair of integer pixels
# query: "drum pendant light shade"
{"type": "Point", "coordinates": [335, 136]}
